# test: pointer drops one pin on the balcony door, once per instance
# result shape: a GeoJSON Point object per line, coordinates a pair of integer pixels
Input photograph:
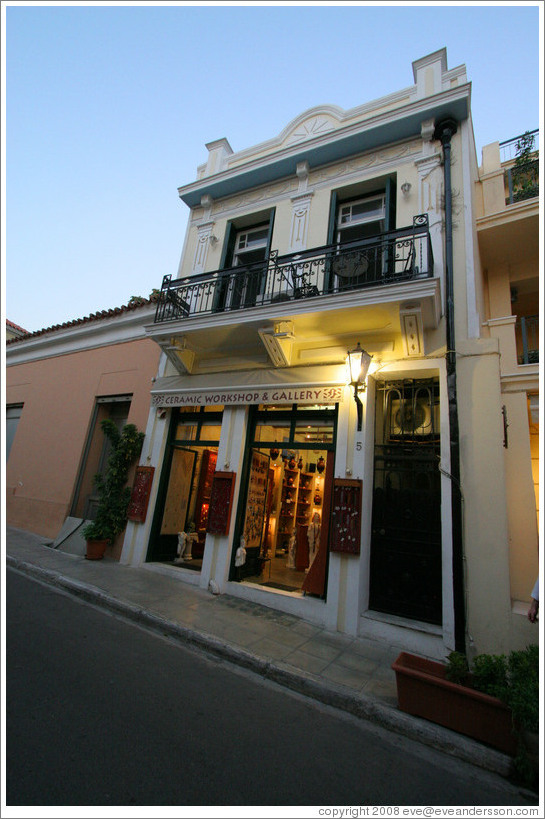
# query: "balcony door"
{"type": "Point", "coordinates": [357, 223]}
{"type": "Point", "coordinates": [245, 261]}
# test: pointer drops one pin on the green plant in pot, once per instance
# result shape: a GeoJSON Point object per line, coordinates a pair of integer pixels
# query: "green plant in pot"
{"type": "Point", "coordinates": [513, 679]}
{"type": "Point", "coordinates": [113, 493]}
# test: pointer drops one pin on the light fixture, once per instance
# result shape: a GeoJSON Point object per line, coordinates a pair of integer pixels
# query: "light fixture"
{"type": "Point", "coordinates": [358, 361]}
{"type": "Point", "coordinates": [405, 188]}
{"type": "Point", "coordinates": [213, 240]}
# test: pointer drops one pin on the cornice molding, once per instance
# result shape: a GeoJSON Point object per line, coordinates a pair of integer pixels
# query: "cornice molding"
{"type": "Point", "coordinates": [512, 213]}
{"type": "Point", "coordinates": [384, 127]}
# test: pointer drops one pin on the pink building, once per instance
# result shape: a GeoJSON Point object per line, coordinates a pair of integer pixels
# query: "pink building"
{"type": "Point", "coordinates": [60, 383]}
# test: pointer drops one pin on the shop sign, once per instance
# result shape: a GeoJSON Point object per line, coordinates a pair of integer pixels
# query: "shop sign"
{"type": "Point", "coordinates": [276, 395]}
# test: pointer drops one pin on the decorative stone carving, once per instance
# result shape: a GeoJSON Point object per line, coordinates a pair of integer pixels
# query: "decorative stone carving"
{"type": "Point", "coordinates": [204, 232]}
{"type": "Point", "coordinates": [312, 127]}
{"type": "Point", "coordinates": [412, 330]}
{"type": "Point", "coordinates": [299, 221]}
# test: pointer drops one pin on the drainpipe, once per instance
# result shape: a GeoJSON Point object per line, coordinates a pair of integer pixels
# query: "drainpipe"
{"type": "Point", "coordinates": [444, 131]}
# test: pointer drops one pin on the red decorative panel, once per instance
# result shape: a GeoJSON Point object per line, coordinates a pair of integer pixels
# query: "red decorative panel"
{"type": "Point", "coordinates": [346, 514]}
{"type": "Point", "coordinates": [138, 504]}
{"type": "Point", "coordinates": [221, 500]}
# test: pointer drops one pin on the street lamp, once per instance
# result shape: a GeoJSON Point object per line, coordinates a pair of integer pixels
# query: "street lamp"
{"type": "Point", "coordinates": [358, 361]}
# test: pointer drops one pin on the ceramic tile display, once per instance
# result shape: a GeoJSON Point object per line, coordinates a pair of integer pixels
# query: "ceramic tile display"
{"type": "Point", "coordinates": [257, 494]}
{"type": "Point", "coordinates": [346, 516]}
{"type": "Point", "coordinates": [138, 505]}
{"type": "Point", "coordinates": [221, 498]}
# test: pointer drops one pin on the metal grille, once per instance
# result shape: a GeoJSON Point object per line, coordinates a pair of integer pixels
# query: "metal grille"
{"type": "Point", "coordinates": [406, 523]}
{"type": "Point", "coordinates": [400, 255]}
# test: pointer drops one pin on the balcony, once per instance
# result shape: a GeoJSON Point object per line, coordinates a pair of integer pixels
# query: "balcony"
{"type": "Point", "coordinates": [527, 339]}
{"type": "Point", "coordinates": [398, 256]}
{"type": "Point", "coordinates": [520, 157]}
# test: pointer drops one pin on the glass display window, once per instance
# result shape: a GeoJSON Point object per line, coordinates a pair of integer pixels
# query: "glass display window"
{"type": "Point", "coordinates": [179, 528]}
{"type": "Point", "coordinates": [283, 516]}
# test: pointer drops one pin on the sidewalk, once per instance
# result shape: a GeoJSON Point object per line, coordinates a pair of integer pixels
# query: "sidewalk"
{"type": "Point", "coordinates": [349, 673]}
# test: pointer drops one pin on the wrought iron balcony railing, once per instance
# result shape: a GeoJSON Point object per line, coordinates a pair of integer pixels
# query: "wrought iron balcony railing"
{"type": "Point", "coordinates": [527, 334]}
{"type": "Point", "coordinates": [509, 150]}
{"type": "Point", "coordinates": [395, 256]}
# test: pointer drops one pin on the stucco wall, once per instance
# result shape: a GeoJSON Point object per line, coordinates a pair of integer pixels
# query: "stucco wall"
{"type": "Point", "coordinates": [59, 396]}
{"type": "Point", "coordinates": [493, 623]}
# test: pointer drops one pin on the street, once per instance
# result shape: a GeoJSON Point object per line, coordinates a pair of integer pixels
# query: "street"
{"type": "Point", "coordinates": [101, 712]}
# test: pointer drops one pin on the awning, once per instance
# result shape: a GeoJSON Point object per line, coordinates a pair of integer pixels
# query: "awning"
{"type": "Point", "coordinates": [286, 385]}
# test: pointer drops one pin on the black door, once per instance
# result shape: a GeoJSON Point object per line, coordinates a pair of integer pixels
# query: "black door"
{"type": "Point", "coordinates": [406, 523]}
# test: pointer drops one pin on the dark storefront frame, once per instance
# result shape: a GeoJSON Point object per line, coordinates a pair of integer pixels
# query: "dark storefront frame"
{"type": "Point", "coordinates": [406, 538]}
{"type": "Point", "coordinates": [294, 415]}
{"type": "Point", "coordinates": [164, 547]}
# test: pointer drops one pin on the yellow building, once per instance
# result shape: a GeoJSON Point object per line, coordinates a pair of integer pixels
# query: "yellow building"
{"type": "Point", "coordinates": [507, 222]}
{"type": "Point", "coordinates": [394, 500]}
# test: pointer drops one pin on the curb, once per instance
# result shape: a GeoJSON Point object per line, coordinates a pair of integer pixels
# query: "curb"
{"type": "Point", "coordinates": [358, 705]}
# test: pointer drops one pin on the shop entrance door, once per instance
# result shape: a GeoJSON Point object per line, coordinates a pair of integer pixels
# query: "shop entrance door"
{"type": "Point", "coordinates": [284, 509]}
{"type": "Point", "coordinates": [406, 571]}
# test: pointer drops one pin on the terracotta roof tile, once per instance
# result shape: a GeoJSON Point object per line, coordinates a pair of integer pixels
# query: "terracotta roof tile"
{"type": "Point", "coordinates": [114, 311]}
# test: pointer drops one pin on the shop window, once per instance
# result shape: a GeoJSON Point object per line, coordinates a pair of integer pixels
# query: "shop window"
{"type": "Point", "coordinates": [97, 450]}
{"type": "Point", "coordinates": [284, 515]}
{"type": "Point", "coordinates": [185, 488]}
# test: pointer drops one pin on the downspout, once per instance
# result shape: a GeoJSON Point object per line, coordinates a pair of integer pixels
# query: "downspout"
{"type": "Point", "coordinates": [444, 131]}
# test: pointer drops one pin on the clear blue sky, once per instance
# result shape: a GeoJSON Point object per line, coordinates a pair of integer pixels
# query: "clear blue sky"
{"type": "Point", "coordinates": [108, 109]}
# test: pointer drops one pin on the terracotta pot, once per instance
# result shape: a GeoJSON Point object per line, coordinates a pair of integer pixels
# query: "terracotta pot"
{"type": "Point", "coordinates": [424, 691]}
{"type": "Point", "coordinates": [96, 549]}
{"type": "Point", "coordinates": [531, 744]}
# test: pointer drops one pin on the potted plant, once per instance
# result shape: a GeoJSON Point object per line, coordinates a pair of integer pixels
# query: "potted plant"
{"type": "Point", "coordinates": [525, 172]}
{"type": "Point", "coordinates": [113, 492]}
{"type": "Point", "coordinates": [495, 701]}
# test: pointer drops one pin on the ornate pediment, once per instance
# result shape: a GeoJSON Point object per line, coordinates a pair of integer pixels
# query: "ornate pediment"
{"type": "Point", "coordinates": [311, 124]}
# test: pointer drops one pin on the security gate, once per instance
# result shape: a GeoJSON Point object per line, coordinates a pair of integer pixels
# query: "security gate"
{"type": "Point", "coordinates": [406, 521]}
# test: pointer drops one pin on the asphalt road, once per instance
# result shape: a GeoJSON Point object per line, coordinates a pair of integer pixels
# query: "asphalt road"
{"type": "Point", "coordinates": [102, 712]}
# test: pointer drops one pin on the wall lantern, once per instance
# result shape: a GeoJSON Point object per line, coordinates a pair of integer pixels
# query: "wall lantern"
{"type": "Point", "coordinates": [358, 366]}
{"type": "Point", "coordinates": [405, 188]}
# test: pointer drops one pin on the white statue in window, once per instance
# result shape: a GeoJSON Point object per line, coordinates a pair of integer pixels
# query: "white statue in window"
{"type": "Point", "coordinates": [185, 545]}
{"type": "Point", "coordinates": [240, 558]}
{"type": "Point", "coordinates": [313, 537]}
{"type": "Point", "coordinates": [290, 564]}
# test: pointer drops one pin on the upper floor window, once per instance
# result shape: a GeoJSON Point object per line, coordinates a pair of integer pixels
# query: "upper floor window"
{"type": "Point", "coordinates": [247, 239]}
{"type": "Point", "coordinates": [250, 245]}
{"type": "Point", "coordinates": [246, 248]}
{"type": "Point", "coordinates": [361, 211]}
{"type": "Point", "coordinates": [361, 218]}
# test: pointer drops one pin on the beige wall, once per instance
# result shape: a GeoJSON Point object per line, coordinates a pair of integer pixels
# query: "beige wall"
{"type": "Point", "coordinates": [521, 498]}
{"type": "Point", "coordinates": [59, 395]}
{"type": "Point", "coordinates": [500, 534]}
{"type": "Point", "coordinates": [486, 537]}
